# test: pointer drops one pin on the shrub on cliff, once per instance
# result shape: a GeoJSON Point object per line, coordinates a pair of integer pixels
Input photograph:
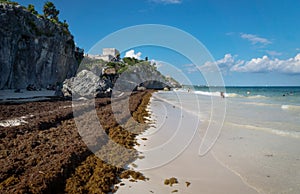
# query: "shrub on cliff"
{"type": "Point", "coordinates": [50, 11]}
{"type": "Point", "coordinates": [130, 61]}
{"type": "Point", "coordinates": [31, 9]}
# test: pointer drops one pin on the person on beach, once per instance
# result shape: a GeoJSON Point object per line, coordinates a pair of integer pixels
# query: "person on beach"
{"type": "Point", "coordinates": [222, 94]}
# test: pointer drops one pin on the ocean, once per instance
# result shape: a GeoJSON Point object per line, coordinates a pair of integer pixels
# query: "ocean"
{"type": "Point", "coordinates": [275, 110]}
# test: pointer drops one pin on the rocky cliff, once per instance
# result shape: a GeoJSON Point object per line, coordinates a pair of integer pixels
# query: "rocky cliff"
{"type": "Point", "coordinates": [97, 78]}
{"type": "Point", "coordinates": [33, 50]}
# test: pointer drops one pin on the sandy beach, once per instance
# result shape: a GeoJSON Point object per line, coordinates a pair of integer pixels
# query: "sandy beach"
{"type": "Point", "coordinates": [149, 96]}
{"type": "Point", "coordinates": [251, 154]}
{"type": "Point", "coordinates": [242, 160]}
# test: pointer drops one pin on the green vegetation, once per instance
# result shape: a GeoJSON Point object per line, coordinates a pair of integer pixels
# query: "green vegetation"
{"type": "Point", "coordinates": [120, 66]}
{"type": "Point", "coordinates": [65, 24]}
{"type": "Point", "coordinates": [130, 61]}
{"type": "Point", "coordinates": [122, 70]}
{"type": "Point", "coordinates": [51, 12]}
{"type": "Point", "coordinates": [113, 69]}
{"type": "Point", "coordinates": [32, 10]}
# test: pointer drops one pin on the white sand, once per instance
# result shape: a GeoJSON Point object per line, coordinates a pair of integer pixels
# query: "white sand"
{"type": "Point", "coordinates": [164, 158]}
{"type": "Point", "coordinates": [247, 158]}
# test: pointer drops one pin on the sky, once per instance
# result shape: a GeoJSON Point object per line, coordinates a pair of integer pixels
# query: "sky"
{"type": "Point", "coordinates": [253, 42]}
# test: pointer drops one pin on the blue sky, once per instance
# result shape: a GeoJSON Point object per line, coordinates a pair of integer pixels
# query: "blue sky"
{"type": "Point", "coordinates": [254, 42]}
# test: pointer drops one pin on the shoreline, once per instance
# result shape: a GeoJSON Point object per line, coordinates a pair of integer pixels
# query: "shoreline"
{"type": "Point", "coordinates": [243, 160]}
{"type": "Point", "coordinates": [201, 174]}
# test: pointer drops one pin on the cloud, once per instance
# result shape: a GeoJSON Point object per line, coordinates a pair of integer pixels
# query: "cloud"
{"type": "Point", "coordinates": [273, 53]}
{"type": "Point", "coordinates": [167, 1]}
{"type": "Point", "coordinates": [254, 39]}
{"type": "Point", "coordinates": [227, 61]}
{"type": "Point", "coordinates": [190, 68]}
{"type": "Point", "coordinates": [223, 65]}
{"type": "Point", "coordinates": [297, 49]}
{"type": "Point", "coordinates": [265, 64]}
{"type": "Point", "coordinates": [157, 64]}
{"type": "Point", "coordinates": [256, 65]}
{"type": "Point", "coordinates": [132, 54]}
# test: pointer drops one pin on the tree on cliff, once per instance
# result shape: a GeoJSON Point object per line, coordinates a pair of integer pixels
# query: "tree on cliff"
{"type": "Point", "coordinates": [50, 11]}
{"type": "Point", "coordinates": [32, 10]}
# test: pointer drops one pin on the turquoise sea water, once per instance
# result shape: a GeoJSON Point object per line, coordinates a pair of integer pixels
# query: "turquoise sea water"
{"type": "Point", "coordinates": [275, 110]}
{"type": "Point", "coordinates": [288, 95]}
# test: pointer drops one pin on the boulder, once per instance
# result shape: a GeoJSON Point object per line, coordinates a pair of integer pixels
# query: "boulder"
{"type": "Point", "coordinates": [86, 84]}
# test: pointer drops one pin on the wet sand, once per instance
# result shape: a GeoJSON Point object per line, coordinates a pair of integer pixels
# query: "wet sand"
{"type": "Point", "coordinates": [179, 158]}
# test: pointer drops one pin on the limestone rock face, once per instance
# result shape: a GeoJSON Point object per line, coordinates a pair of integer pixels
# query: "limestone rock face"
{"type": "Point", "coordinates": [143, 75]}
{"type": "Point", "coordinates": [85, 84]}
{"type": "Point", "coordinates": [33, 50]}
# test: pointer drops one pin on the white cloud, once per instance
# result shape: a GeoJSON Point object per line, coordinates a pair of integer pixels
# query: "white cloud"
{"type": "Point", "coordinates": [265, 64]}
{"type": "Point", "coordinates": [273, 53]}
{"type": "Point", "coordinates": [224, 64]}
{"type": "Point", "coordinates": [167, 1]}
{"type": "Point", "coordinates": [255, 65]}
{"type": "Point", "coordinates": [254, 39]}
{"type": "Point", "coordinates": [132, 54]}
{"type": "Point", "coordinates": [297, 49]}
{"type": "Point", "coordinates": [157, 64]}
{"type": "Point", "coordinates": [190, 68]}
{"type": "Point", "coordinates": [227, 61]}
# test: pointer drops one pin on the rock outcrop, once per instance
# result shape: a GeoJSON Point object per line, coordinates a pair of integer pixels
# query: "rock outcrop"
{"type": "Point", "coordinates": [87, 84]}
{"type": "Point", "coordinates": [143, 75]}
{"type": "Point", "coordinates": [33, 50]}
{"type": "Point", "coordinates": [100, 80]}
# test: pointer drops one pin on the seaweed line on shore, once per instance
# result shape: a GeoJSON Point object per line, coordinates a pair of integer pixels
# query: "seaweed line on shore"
{"type": "Point", "coordinates": [47, 155]}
